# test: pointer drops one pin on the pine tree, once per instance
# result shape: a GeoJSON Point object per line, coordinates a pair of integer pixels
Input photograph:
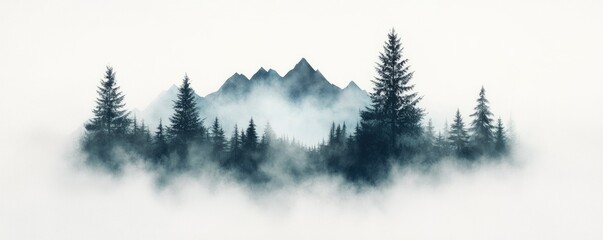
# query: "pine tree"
{"type": "Point", "coordinates": [110, 118]}
{"type": "Point", "coordinates": [343, 134]}
{"type": "Point", "coordinates": [243, 139]}
{"type": "Point", "coordinates": [394, 105]}
{"type": "Point", "coordinates": [458, 136]}
{"type": "Point", "coordinates": [251, 137]}
{"type": "Point", "coordinates": [500, 139]}
{"type": "Point", "coordinates": [109, 126]}
{"type": "Point", "coordinates": [144, 139]}
{"type": "Point", "coordinates": [332, 135]}
{"type": "Point", "coordinates": [160, 145]}
{"type": "Point", "coordinates": [235, 146]}
{"type": "Point", "coordinates": [185, 124]}
{"type": "Point", "coordinates": [186, 127]}
{"type": "Point", "coordinates": [482, 138]}
{"type": "Point", "coordinates": [218, 140]}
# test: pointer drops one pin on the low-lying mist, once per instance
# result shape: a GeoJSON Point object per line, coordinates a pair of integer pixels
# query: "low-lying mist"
{"type": "Point", "coordinates": [537, 196]}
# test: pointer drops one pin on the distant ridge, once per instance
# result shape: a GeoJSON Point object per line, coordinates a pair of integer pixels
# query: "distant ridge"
{"type": "Point", "coordinates": [301, 84]}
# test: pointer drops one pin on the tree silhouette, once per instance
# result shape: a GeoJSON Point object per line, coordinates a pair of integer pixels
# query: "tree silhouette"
{"type": "Point", "coordinates": [218, 140]}
{"type": "Point", "coordinates": [234, 147]}
{"type": "Point", "coordinates": [500, 139]}
{"type": "Point", "coordinates": [186, 126]}
{"type": "Point", "coordinates": [160, 145]}
{"type": "Point", "coordinates": [251, 138]}
{"type": "Point", "coordinates": [482, 138]}
{"type": "Point", "coordinates": [110, 117]}
{"type": "Point", "coordinates": [109, 126]}
{"type": "Point", "coordinates": [394, 105]}
{"type": "Point", "coordinates": [458, 137]}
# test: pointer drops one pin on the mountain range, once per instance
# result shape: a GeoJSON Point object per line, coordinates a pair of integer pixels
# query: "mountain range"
{"type": "Point", "coordinates": [303, 92]}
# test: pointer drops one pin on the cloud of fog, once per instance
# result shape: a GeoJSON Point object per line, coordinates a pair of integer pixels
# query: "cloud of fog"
{"type": "Point", "coordinates": [540, 195]}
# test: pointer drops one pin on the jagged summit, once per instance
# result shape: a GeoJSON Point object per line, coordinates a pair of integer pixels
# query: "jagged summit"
{"type": "Point", "coordinates": [261, 73]}
{"type": "Point", "coordinates": [265, 77]}
{"type": "Point", "coordinates": [352, 86]}
{"type": "Point", "coordinates": [237, 77]}
{"type": "Point", "coordinates": [303, 65]}
{"type": "Point", "coordinates": [300, 84]}
{"type": "Point", "coordinates": [234, 83]}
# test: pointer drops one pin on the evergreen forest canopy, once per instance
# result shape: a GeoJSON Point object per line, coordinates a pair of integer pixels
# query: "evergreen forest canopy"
{"type": "Point", "coordinates": [390, 134]}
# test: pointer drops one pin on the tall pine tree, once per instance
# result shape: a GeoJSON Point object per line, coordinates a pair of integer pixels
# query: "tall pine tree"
{"type": "Point", "coordinates": [394, 108]}
{"type": "Point", "coordinates": [186, 127]}
{"type": "Point", "coordinates": [235, 146]}
{"type": "Point", "coordinates": [251, 137]}
{"type": "Point", "coordinates": [109, 126]}
{"type": "Point", "coordinates": [482, 139]}
{"type": "Point", "coordinates": [218, 140]}
{"type": "Point", "coordinates": [160, 145]}
{"type": "Point", "coordinates": [185, 123]}
{"type": "Point", "coordinates": [458, 137]}
{"type": "Point", "coordinates": [110, 117]}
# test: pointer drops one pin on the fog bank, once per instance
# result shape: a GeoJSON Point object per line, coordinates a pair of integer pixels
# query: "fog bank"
{"type": "Point", "coordinates": [541, 195]}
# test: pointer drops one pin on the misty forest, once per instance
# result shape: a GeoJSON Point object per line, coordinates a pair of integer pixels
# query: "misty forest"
{"type": "Point", "coordinates": [391, 130]}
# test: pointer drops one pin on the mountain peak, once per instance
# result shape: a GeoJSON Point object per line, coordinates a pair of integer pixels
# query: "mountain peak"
{"type": "Point", "coordinates": [352, 85]}
{"type": "Point", "coordinates": [236, 81]}
{"type": "Point", "coordinates": [261, 73]}
{"type": "Point", "coordinates": [272, 72]}
{"type": "Point", "coordinates": [303, 64]}
{"type": "Point", "coordinates": [237, 77]}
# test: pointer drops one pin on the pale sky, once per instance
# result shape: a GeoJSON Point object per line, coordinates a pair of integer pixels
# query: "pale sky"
{"type": "Point", "coordinates": [62, 47]}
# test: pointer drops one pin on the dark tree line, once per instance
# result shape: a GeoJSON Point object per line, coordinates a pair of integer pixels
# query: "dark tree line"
{"type": "Point", "coordinates": [390, 133]}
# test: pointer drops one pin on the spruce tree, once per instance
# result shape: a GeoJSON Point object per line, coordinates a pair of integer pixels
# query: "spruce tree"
{"type": "Point", "coordinates": [332, 135]}
{"type": "Point", "coordinates": [394, 108]}
{"type": "Point", "coordinates": [243, 138]}
{"type": "Point", "coordinates": [160, 145]}
{"type": "Point", "coordinates": [235, 146]}
{"type": "Point", "coordinates": [218, 140]}
{"type": "Point", "coordinates": [500, 139]}
{"type": "Point", "coordinates": [109, 126]}
{"type": "Point", "coordinates": [110, 118]}
{"type": "Point", "coordinates": [249, 160]}
{"type": "Point", "coordinates": [343, 134]}
{"type": "Point", "coordinates": [458, 136]}
{"type": "Point", "coordinates": [186, 127]}
{"type": "Point", "coordinates": [144, 139]}
{"type": "Point", "coordinates": [482, 139]}
{"type": "Point", "coordinates": [251, 137]}
{"type": "Point", "coordinates": [185, 124]}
